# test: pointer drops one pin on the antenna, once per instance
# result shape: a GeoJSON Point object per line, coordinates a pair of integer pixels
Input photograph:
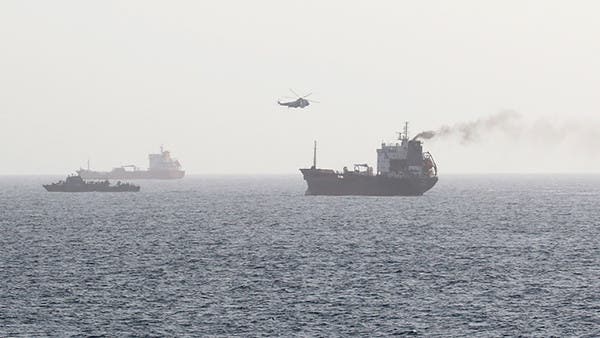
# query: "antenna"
{"type": "Point", "coordinates": [88, 164]}
{"type": "Point", "coordinates": [315, 156]}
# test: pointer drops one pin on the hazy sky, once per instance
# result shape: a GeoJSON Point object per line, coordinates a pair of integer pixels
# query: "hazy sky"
{"type": "Point", "coordinates": [113, 80]}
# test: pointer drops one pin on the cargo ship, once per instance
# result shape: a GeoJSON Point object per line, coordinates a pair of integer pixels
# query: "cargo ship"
{"type": "Point", "coordinates": [403, 169]}
{"type": "Point", "coordinates": [161, 166]}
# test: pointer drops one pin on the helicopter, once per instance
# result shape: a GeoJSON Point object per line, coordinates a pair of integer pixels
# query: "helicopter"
{"type": "Point", "coordinates": [299, 102]}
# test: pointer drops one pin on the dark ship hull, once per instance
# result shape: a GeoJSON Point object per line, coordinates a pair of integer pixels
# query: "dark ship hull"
{"type": "Point", "coordinates": [131, 175]}
{"type": "Point", "coordinates": [328, 182]}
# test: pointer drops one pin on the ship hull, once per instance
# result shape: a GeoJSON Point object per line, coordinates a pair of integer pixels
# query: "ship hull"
{"type": "Point", "coordinates": [327, 182]}
{"type": "Point", "coordinates": [131, 175]}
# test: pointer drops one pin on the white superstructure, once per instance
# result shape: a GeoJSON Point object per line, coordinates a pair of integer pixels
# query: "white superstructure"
{"type": "Point", "coordinates": [163, 161]}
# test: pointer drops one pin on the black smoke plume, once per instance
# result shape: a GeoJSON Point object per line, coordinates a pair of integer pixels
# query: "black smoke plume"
{"type": "Point", "coordinates": [474, 130]}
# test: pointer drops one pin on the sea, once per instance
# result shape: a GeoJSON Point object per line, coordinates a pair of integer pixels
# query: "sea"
{"type": "Point", "coordinates": [222, 256]}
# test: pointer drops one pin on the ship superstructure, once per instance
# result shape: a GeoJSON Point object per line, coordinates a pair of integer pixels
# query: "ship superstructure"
{"type": "Point", "coordinates": [402, 169]}
{"type": "Point", "coordinates": [405, 158]}
{"type": "Point", "coordinates": [160, 166]}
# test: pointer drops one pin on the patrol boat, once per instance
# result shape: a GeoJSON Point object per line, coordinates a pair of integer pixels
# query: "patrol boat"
{"type": "Point", "coordinates": [75, 183]}
{"type": "Point", "coordinates": [403, 169]}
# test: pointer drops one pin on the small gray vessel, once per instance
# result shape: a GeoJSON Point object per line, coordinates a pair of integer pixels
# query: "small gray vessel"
{"type": "Point", "coordinates": [76, 184]}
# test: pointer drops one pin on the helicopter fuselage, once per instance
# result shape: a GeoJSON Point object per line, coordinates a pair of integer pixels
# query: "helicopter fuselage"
{"type": "Point", "coordinates": [299, 103]}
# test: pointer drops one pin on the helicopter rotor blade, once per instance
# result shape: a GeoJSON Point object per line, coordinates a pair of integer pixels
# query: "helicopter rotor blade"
{"type": "Point", "coordinates": [313, 101]}
{"type": "Point", "coordinates": [307, 95]}
{"type": "Point", "coordinates": [291, 90]}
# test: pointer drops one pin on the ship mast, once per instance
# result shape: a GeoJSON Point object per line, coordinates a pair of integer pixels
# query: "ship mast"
{"type": "Point", "coordinates": [315, 156]}
{"type": "Point", "coordinates": [403, 135]}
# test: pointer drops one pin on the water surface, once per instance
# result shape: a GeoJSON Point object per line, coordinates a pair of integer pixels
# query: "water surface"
{"type": "Point", "coordinates": [477, 255]}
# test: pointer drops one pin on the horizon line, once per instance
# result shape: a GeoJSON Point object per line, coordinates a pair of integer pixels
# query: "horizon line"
{"type": "Point", "coordinates": [294, 174]}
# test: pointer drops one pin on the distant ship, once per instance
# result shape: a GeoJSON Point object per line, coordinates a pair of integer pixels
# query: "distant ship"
{"type": "Point", "coordinates": [403, 169]}
{"type": "Point", "coordinates": [77, 184]}
{"type": "Point", "coordinates": [161, 166]}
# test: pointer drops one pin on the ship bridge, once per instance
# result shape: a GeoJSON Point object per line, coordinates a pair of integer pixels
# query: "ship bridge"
{"type": "Point", "coordinates": [163, 161]}
{"type": "Point", "coordinates": [401, 158]}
